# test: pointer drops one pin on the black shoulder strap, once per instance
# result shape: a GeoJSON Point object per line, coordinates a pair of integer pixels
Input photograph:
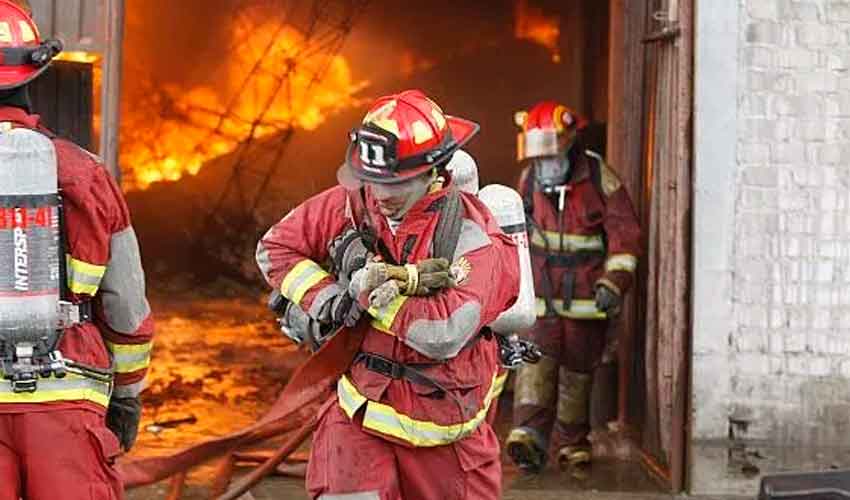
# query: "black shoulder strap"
{"type": "Point", "coordinates": [447, 234]}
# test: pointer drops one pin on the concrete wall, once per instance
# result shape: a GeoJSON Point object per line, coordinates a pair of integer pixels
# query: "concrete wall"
{"type": "Point", "coordinates": [771, 344]}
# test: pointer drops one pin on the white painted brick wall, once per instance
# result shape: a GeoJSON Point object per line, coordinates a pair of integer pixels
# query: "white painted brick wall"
{"type": "Point", "coordinates": [789, 350]}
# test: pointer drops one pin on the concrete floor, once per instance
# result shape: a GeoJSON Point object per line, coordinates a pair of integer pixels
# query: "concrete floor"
{"type": "Point", "coordinates": [550, 486]}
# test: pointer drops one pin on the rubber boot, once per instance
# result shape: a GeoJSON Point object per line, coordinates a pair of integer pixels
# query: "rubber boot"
{"type": "Point", "coordinates": [573, 417]}
{"type": "Point", "coordinates": [535, 394]}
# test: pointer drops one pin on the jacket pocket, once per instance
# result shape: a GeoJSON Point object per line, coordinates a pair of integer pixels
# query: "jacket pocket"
{"type": "Point", "coordinates": [105, 444]}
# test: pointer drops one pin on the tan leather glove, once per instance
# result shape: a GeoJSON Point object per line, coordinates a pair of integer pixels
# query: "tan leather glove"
{"type": "Point", "coordinates": [423, 278]}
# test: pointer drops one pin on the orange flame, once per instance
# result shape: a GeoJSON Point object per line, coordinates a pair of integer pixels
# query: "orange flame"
{"type": "Point", "coordinates": [532, 24]}
{"type": "Point", "coordinates": [178, 130]}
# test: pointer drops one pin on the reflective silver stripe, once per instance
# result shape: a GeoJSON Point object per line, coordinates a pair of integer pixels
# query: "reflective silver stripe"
{"type": "Point", "coordinates": [264, 262]}
{"type": "Point", "coordinates": [567, 242]}
{"type": "Point", "coordinates": [385, 419]}
{"type": "Point", "coordinates": [128, 391]}
{"type": "Point", "coordinates": [349, 399]}
{"type": "Point", "coordinates": [324, 295]}
{"type": "Point", "coordinates": [363, 495]}
{"type": "Point", "coordinates": [300, 279]}
{"type": "Point", "coordinates": [122, 290]}
{"type": "Point", "coordinates": [579, 309]}
{"type": "Point", "coordinates": [621, 262]}
{"type": "Point", "coordinates": [71, 388]}
{"type": "Point", "coordinates": [472, 237]}
{"type": "Point", "coordinates": [130, 362]}
{"type": "Point", "coordinates": [444, 338]}
{"type": "Point", "coordinates": [83, 277]}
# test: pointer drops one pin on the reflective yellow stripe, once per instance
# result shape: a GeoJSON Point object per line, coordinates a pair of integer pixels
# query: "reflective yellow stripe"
{"type": "Point", "coordinates": [70, 388]}
{"type": "Point", "coordinates": [304, 276]}
{"type": "Point", "coordinates": [130, 358]}
{"type": "Point", "coordinates": [621, 262]}
{"type": "Point", "coordinates": [579, 309]}
{"type": "Point", "coordinates": [571, 242]}
{"type": "Point", "coordinates": [384, 317]}
{"type": "Point", "coordinates": [385, 419]}
{"type": "Point", "coordinates": [82, 276]}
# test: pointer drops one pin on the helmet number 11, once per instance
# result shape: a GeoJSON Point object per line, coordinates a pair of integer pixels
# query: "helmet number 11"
{"type": "Point", "coordinates": [377, 157]}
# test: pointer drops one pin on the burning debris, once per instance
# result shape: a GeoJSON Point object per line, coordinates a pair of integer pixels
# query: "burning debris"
{"type": "Point", "coordinates": [275, 78]}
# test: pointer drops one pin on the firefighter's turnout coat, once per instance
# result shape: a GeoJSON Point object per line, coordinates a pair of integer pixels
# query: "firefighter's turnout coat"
{"type": "Point", "coordinates": [441, 334]}
{"type": "Point", "coordinates": [104, 267]}
{"type": "Point", "coordinates": [581, 238]}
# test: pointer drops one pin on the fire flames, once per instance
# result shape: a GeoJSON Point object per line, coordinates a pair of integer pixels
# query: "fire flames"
{"type": "Point", "coordinates": [272, 80]}
{"type": "Point", "coordinates": [530, 23]}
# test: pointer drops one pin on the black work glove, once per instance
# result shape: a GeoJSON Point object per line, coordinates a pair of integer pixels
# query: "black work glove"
{"type": "Point", "coordinates": [608, 301]}
{"type": "Point", "coordinates": [348, 253]}
{"type": "Point", "coordinates": [341, 310]}
{"type": "Point", "coordinates": [122, 418]}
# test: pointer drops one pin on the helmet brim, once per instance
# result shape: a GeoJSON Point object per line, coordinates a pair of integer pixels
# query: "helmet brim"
{"type": "Point", "coordinates": [16, 76]}
{"type": "Point", "coordinates": [352, 175]}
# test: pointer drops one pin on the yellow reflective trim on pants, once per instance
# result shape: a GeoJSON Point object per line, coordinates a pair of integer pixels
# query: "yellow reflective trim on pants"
{"type": "Point", "coordinates": [385, 419]}
{"type": "Point", "coordinates": [70, 388]}
{"type": "Point", "coordinates": [130, 357]}
{"type": "Point", "coordinates": [350, 400]}
{"type": "Point", "coordinates": [83, 277]}
{"type": "Point", "coordinates": [621, 262]}
{"type": "Point", "coordinates": [298, 281]}
{"type": "Point", "coordinates": [579, 309]}
{"type": "Point", "coordinates": [385, 316]}
{"type": "Point", "coordinates": [571, 242]}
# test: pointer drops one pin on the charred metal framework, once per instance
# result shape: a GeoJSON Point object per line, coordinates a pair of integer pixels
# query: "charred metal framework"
{"type": "Point", "coordinates": [232, 217]}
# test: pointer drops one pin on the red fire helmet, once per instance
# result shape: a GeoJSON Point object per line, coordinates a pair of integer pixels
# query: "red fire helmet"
{"type": "Point", "coordinates": [546, 129]}
{"type": "Point", "coordinates": [23, 55]}
{"type": "Point", "coordinates": [402, 136]}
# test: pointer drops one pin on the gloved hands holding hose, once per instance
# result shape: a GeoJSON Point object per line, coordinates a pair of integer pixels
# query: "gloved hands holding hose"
{"type": "Point", "coordinates": [378, 283]}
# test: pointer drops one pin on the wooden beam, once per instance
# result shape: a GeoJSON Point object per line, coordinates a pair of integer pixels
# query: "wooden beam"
{"type": "Point", "coordinates": [682, 241]}
{"type": "Point", "coordinates": [625, 141]}
{"type": "Point", "coordinates": [111, 91]}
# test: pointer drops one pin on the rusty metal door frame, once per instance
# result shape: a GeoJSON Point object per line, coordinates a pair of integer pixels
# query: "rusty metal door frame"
{"type": "Point", "coordinates": [651, 98]}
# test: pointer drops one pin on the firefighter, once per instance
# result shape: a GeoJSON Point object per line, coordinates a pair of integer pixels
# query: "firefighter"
{"type": "Point", "coordinates": [584, 239]}
{"type": "Point", "coordinates": [408, 420]}
{"type": "Point", "coordinates": [75, 326]}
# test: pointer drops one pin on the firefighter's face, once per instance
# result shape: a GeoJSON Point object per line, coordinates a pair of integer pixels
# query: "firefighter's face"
{"type": "Point", "coordinates": [394, 200]}
{"type": "Point", "coordinates": [551, 170]}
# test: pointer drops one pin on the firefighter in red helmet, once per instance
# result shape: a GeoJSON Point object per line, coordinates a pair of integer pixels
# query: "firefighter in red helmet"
{"type": "Point", "coordinates": [75, 326]}
{"type": "Point", "coordinates": [584, 239]}
{"type": "Point", "coordinates": [413, 260]}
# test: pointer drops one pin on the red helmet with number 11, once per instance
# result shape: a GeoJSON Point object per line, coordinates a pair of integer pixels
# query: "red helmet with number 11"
{"type": "Point", "coordinates": [402, 136]}
{"type": "Point", "coordinates": [23, 55]}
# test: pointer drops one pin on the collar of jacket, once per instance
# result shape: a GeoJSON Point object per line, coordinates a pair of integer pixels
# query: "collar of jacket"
{"type": "Point", "coordinates": [416, 221]}
{"type": "Point", "coordinates": [18, 115]}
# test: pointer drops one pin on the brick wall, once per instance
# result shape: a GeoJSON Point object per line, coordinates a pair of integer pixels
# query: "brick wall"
{"type": "Point", "coordinates": [791, 278]}
{"type": "Point", "coordinates": [771, 231]}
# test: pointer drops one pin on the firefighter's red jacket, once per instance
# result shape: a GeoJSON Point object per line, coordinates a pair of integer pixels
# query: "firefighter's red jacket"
{"type": "Point", "coordinates": [440, 332]}
{"type": "Point", "coordinates": [581, 238]}
{"type": "Point", "coordinates": [103, 266]}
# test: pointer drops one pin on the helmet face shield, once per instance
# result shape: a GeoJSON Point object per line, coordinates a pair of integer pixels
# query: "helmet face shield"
{"type": "Point", "coordinates": [547, 129]}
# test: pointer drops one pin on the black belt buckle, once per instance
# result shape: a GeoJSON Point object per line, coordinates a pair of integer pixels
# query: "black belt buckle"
{"type": "Point", "coordinates": [24, 383]}
{"type": "Point", "coordinates": [386, 367]}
